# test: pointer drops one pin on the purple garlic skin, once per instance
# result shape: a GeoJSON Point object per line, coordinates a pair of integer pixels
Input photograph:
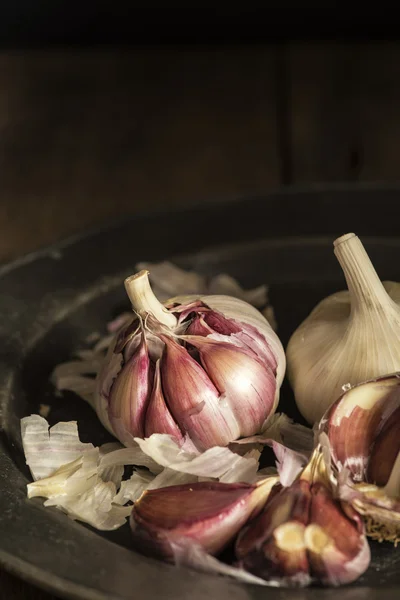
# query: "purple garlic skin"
{"type": "Point", "coordinates": [206, 513]}
{"type": "Point", "coordinates": [190, 371]}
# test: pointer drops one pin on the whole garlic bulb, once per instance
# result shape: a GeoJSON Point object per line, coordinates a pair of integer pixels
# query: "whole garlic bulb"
{"type": "Point", "coordinates": [204, 369]}
{"type": "Point", "coordinates": [349, 337]}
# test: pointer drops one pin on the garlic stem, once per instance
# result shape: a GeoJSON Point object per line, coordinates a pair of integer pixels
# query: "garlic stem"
{"type": "Point", "coordinates": [365, 287]}
{"type": "Point", "coordinates": [144, 301]}
{"type": "Point", "coordinates": [392, 488]}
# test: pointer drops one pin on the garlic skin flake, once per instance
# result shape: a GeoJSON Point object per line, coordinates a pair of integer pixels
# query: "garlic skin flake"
{"type": "Point", "coordinates": [348, 338]}
{"type": "Point", "coordinates": [86, 482]}
{"type": "Point", "coordinates": [47, 450]}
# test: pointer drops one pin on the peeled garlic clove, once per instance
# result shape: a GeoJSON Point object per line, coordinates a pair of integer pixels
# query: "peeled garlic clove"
{"type": "Point", "coordinates": [361, 428]}
{"type": "Point", "coordinates": [337, 548]}
{"type": "Point", "coordinates": [209, 513]}
{"type": "Point", "coordinates": [349, 337]}
{"type": "Point", "coordinates": [247, 385]}
{"type": "Point", "coordinates": [272, 545]}
{"type": "Point", "coordinates": [158, 418]}
{"type": "Point", "coordinates": [130, 394]}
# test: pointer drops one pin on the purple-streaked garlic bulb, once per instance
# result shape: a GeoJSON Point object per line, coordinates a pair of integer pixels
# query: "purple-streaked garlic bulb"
{"type": "Point", "coordinates": [204, 369]}
{"type": "Point", "coordinates": [362, 433]}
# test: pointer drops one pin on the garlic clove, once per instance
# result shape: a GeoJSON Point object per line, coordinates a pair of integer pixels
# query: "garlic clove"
{"type": "Point", "coordinates": [209, 513]}
{"type": "Point", "coordinates": [193, 399]}
{"type": "Point", "coordinates": [247, 385]}
{"type": "Point", "coordinates": [361, 427]}
{"type": "Point", "coordinates": [158, 418]}
{"type": "Point", "coordinates": [337, 548]}
{"type": "Point", "coordinates": [130, 394]}
{"type": "Point", "coordinates": [348, 338]}
{"type": "Point", "coordinates": [272, 545]}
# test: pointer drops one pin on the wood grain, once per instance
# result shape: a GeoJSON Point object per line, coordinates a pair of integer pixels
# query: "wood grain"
{"type": "Point", "coordinates": [379, 72]}
{"type": "Point", "coordinates": [324, 111]}
{"type": "Point", "coordinates": [87, 135]}
{"type": "Point", "coordinates": [345, 111]}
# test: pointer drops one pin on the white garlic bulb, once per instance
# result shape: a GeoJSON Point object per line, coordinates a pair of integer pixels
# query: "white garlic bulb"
{"type": "Point", "coordinates": [349, 337]}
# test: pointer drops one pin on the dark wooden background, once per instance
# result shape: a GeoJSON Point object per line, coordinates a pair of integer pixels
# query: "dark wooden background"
{"type": "Point", "coordinates": [91, 135]}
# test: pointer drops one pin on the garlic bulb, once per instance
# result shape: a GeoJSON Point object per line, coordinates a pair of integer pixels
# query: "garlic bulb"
{"type": "Point", "coordinates": [362, 431]}
{"type": "Point", "coordinates": [205, 369]}
{"type": "Point", "coordinates": [349, 337]}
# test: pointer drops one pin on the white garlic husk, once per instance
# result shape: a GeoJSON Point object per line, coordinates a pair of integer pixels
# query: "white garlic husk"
{"type": "Point", "coordinates": [349, 337]}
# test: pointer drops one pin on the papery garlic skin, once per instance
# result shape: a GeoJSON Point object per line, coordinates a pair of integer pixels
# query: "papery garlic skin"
{"type": "Point", "coordinates": [349, 337]}
{"type": "Point", "coordinates": [219, 369]}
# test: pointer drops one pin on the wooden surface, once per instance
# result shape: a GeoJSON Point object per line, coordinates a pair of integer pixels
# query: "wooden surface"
{"type": "Point", "coordinates": [344, 111]}
{"type": "Point", "coordinates": [90, 135]}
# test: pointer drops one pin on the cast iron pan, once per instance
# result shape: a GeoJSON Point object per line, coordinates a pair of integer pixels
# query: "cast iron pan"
{"type": "Point", "coordinates": [50, 301]}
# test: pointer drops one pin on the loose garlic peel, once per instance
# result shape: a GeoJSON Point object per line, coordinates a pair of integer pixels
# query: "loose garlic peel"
{"type": "Point", "coordinates": [348, 338]}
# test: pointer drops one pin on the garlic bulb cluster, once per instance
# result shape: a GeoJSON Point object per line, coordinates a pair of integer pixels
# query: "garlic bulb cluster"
{"type": "Point", "coordinates": [205, 369]}
{"type": "Point", "coordinates": [290, 535]}
{"type": "Point", "coordinates": [349, 337]}
{"type": "Point", "coordinates": [305, 534]}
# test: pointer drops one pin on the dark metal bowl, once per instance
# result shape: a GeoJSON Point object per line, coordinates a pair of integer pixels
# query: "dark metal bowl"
{"type": "Point", "coordinates": [50, 301]}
